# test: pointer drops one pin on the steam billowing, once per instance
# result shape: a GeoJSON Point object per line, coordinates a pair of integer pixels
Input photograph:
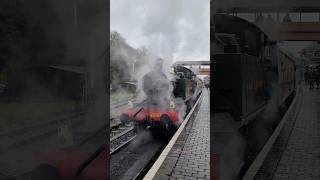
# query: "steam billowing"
{"type": "Point", "coordinates": [134, 65]}
{"type": "Point", "coordinates": [171, 30]}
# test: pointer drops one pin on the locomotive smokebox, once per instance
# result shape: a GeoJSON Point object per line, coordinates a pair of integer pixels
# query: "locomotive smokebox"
{"type": "Point", "coordinates": [156, 85]}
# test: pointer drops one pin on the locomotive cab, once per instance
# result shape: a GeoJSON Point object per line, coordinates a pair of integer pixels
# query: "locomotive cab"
{"type": "Point", "coordinates": [179, 84]}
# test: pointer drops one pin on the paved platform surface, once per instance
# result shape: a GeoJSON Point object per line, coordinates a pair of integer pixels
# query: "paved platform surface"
{"type": "Point", "coordinates": [228, 145]}
{"type": "Point", "coordinates": [190, 156]}
{"type": "Point", "coordinates": [300, 158]}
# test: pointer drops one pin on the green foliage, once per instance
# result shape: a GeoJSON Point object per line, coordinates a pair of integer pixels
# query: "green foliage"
{"type": "Point", "coordinates": [123, 58]}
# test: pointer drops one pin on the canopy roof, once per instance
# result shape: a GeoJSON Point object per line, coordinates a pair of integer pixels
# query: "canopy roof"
{"type": "Point", "coordinates": [247, 6]}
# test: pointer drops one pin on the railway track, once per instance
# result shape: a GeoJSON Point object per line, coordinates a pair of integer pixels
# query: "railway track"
{"type": "Point", "coordinates": [27, 135]}
{"type": "Point", "coordinates": [135, 160]}
{"type": "Point", "coordinates": [143, 171]}
{"type": "Point", "coordinates": [123, 134]}
{"type": "Point", "coordinates": [30, 133]}
{"type": "Point", "coordinates": [120, 104]}
{"type": "Point", "coordinates": [120, 136]}
{"type": "Point", "coordinates": [121, 139]}
{"type": "Point", "coordinates": [15, 138]}
{"type": "Point", "coordinates": [85, 140]}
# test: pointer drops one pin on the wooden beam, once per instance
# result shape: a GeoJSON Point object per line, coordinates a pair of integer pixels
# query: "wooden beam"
{"type": "Point", "coordinates": [294, 31]}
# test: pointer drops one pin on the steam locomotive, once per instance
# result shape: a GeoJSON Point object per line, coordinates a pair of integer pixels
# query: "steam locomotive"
{"type": "Point", "coordinates": [251, 65]}
{"type": "Point", "coordinates": [252, 78]}
{"type": "Point", "coordinates": [166, 102]}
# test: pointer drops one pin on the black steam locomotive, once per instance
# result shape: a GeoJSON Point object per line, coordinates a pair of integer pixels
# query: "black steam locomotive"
{"type": "Point", "coordinates": [253, 83]}
{"type": "Point", "coordinates": [248, 69]}
{"type": "Point", "coordinates": [167, 100]}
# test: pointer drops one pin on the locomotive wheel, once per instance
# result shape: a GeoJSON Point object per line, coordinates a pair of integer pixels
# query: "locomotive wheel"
{"type": "Point", "coordinates": [124, 118]}
{"type": "Point", "coordinates": [45, 171]}
{"type": "Point", "coordinates": [168, 127]}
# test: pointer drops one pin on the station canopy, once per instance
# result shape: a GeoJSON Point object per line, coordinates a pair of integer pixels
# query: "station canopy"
{"type": "Point", "coordinates": [191, 63]}
{"type": "Point", "coordinates": [251, 6]}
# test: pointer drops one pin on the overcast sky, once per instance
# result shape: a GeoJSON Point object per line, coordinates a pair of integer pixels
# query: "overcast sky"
{"type": "Point", "coordinates": [172, 29]}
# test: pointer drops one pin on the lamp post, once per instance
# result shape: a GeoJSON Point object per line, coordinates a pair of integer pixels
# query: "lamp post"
{"type": "Point", "coordinates": [133, 65]}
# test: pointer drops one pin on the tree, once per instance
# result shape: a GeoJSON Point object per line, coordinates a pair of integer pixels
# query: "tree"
{"type": "Point", "coordinates": [116, 39]}
{"type": "Point", "coordinates": [118, 62]}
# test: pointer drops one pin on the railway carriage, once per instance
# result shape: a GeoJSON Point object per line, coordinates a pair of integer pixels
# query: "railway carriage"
{"type": "Point", "coordinates": [286, 78]}
{"type": "Point", "coordinates": [253, 83]}
{"type": "Point", "coordinates": [241, 78]}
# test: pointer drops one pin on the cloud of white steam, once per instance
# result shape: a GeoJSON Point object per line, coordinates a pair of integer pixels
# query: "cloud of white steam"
{"type": "Point", "coordinates": [174, 30]}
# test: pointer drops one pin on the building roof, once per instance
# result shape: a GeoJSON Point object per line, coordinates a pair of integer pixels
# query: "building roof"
{"type": "Point", "coordinates": [192, 63]}
{"type": "Point", "coordinates": [266, 5]}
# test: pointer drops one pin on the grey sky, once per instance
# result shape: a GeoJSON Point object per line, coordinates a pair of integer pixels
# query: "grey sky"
{"type": "Point", "coordinates": [173, 29]}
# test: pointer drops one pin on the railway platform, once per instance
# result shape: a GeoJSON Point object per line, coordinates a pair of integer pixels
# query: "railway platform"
{"type": "Point", "coordinates": [189, 156]}
{"type": "Point", "coordinates": [295, 154]}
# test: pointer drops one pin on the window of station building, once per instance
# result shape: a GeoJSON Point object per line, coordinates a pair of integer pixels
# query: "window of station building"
{"type": "Point", "coordinates": [297, 17]}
